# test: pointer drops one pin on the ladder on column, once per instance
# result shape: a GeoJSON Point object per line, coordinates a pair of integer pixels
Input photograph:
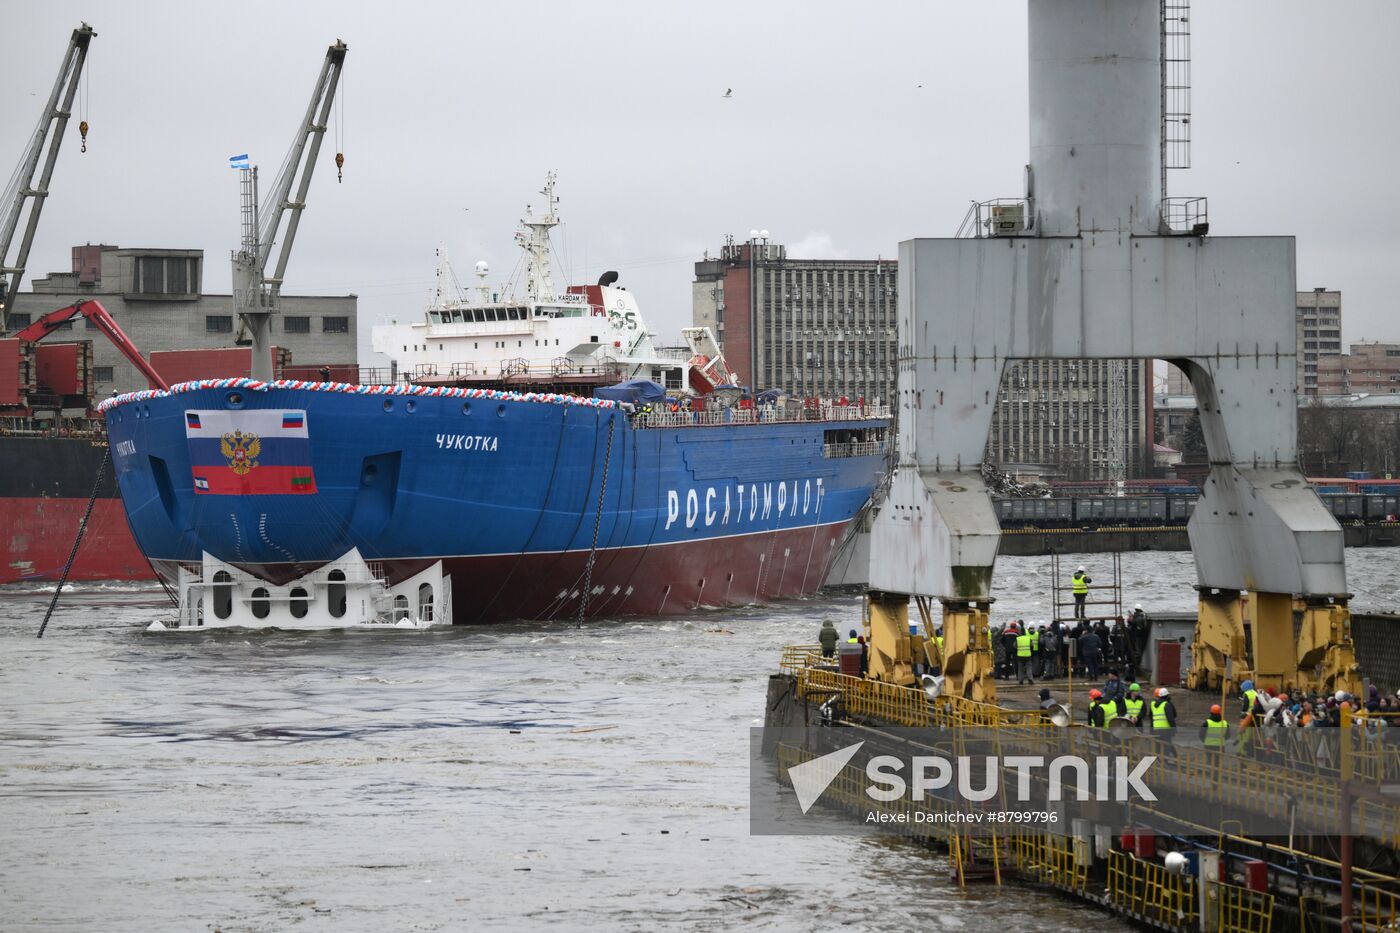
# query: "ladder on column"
{"type": "Point", "coordinates": [1176, 86]}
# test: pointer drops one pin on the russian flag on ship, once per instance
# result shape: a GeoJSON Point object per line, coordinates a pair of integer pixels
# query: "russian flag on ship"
{"type": "Point", "coordinates": [256, 452]}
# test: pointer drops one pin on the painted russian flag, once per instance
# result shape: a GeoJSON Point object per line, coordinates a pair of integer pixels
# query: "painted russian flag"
{"type": "Point", "coordinates": [258, 452]}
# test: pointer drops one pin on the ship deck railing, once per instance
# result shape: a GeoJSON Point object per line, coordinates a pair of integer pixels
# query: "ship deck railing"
{"type": "Point", "coordinates": [854, 449]}
{"type": "Point", "coordinates": [765, 415]}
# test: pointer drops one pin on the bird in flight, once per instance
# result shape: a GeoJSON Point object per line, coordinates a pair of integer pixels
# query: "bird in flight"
{"type": "Point", "coordinates": [729, 92]}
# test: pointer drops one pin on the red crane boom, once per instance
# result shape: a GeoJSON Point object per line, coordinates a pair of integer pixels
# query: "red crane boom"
{"type": "Point", "coordinates": [98, 315]}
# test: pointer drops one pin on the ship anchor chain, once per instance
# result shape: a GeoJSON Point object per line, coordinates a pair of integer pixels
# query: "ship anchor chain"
{"type": "Point", "coordinates": [597, 523]}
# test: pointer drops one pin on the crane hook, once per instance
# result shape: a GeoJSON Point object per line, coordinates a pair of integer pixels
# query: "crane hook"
{"type": "Point", "coordinates": [82, 131]}
{"type": "Point", "coordinates": [339, 165]}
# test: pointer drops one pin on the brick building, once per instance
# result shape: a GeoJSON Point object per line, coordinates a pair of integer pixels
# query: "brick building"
{"type": "Point", "coordinates": [808, 326]}
{"type": "Point", "coordinates": [1371, 368]}
{"type": "Point", "coordinates": [154, 296]}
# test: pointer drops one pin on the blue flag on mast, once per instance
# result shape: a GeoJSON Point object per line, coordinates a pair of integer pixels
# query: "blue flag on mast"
{"type": "Point", "coordinates": [238, 161]}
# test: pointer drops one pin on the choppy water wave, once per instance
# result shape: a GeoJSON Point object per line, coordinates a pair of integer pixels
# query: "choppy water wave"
{"type": "Point", "coordinates": [483, 777]}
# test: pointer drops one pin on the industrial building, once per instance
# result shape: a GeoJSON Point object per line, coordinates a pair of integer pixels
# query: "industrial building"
{"type": "Point", "coordinates": [155, 297]}
{"type": "Point", "coordinates": [1319, 326]}
{"type": "Point", "coordinates": [827, 327]}
{"type": "Point", "coordinates": [808, 326]}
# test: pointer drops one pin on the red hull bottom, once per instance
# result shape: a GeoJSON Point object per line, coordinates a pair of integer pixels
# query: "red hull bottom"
{"type": "Point", "coordinates": [36, 535]}
{"type": "Point", "coordinates": [649, 581]}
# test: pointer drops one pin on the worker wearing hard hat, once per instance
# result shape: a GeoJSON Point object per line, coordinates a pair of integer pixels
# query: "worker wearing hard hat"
{"type": "Point", "coordinates": [1104, 709]}
{"type": "Point", "coordinates": [1134, 704]}
{"type": "Point", "coordinates": [1215, 730]}
{"type": "Point", "coordinates": [1080, 584]}
{"type": "Point", "coordinates": [1249, 698]}
{"type": "Point", "coordinates": [1098, 718]}
{"type": "Point", "coordinates": [1162, 715]}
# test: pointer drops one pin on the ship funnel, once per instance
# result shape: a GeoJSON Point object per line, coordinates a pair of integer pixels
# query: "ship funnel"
{"type": "Point", "coordinates": [607, 278]}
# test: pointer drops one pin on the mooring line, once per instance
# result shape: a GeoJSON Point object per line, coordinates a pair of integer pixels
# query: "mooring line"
{"type": "Point", "coordinates": [78, 541]}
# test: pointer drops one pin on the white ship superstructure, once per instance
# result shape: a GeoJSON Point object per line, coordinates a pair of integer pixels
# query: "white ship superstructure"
{"type": "Point", "coordinates": [590, 333]}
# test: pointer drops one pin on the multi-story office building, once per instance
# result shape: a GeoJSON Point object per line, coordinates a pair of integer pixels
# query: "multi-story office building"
{"type": "Point", "coordinates": [1059, 414]}
{"type": "Point", "coordinates": [808, 326]}
{"type": "Point", "coordinates": [828, 327]}
{"type": "Point", "coordinates": [154, 296]}
{"type": "Point", "coordinates": [1319, 324]}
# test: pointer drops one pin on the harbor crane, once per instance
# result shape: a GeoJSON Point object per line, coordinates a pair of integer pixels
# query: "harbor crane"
{"type": "Point", "coordinates": [257, 292]}
{"type": "Point", "coordinates": [22, 190]}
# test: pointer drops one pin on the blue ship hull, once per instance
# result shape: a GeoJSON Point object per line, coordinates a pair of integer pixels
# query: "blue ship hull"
{"type": "Point", "coordinates": [511, 493]}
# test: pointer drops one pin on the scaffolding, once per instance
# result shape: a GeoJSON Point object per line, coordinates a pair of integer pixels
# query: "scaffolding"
{"type": "Point", "coordinates": [1104, 602]}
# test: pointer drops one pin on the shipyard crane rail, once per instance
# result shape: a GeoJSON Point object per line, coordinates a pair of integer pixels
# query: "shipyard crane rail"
{"type": "Point", "coordinates": [102, 320]}
{"type": "Point", "coordinates": [256, 293]}
{"type": "Point", "coordinates": [22, 190]}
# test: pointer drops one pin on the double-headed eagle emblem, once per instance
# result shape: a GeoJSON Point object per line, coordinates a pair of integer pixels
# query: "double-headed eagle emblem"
{"type": "Point", "coordinates": [241, 450]}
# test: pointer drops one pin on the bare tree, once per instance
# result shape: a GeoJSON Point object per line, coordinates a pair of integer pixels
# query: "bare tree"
{"type": "Point", "coordinates": [1331, 438]}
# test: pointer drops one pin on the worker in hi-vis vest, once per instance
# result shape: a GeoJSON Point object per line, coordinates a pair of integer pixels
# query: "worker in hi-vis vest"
{"type": "Point", "coordinates": [1080, 582]}
{"type": "Point", "coordinates": [1215, 730]}
{"type": "Point", "coordinates": [1134, 704]}
{"type": "Point", "coordinates": [1024, 655]}
{"type": "Point", "coordinates": [1249, 698]}
{"type": "Point", "coordinates": [1163, 716]}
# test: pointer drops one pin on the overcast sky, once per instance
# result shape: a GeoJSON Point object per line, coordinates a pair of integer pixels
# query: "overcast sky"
{"type": "Point", "coordinates": [453, 112]}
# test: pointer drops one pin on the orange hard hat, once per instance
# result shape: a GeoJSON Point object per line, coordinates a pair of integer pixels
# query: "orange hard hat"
{"type": "Point", "coordinates": [1215, 708]}
{"type": "Point", "coordinates": [1094, 694]}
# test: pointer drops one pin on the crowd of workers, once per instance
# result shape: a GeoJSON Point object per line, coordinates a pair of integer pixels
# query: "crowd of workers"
{"type": "Point", "coordinates": [1030, 651]}
{"type": "Point", "coordinates": [1113, 649]}
{"type": "Point", "coordinates": [1265, 716]}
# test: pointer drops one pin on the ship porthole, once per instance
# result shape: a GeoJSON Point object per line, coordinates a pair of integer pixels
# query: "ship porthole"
{"type": "Point", "coordinates": [260, 603]}
{"type": "Point", "coordinates": [300, 603]}
{"type": "Point", "coordinates": [388, 404]}
{"type": "Point", "coordinates": [234, 400]}
{"type": "Point", "coordinates": [466, 408]}
{"type": "Point", "coordinates": [500, 411]}
{"type": "Point", "coordinates": [409, 405]}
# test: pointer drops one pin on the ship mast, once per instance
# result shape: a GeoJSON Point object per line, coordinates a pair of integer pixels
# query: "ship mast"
{"type": "Point", "coordinates": [534, 239]}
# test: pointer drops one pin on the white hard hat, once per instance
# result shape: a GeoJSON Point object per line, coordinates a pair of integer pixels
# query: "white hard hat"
{"type": "Point", "coordinates": [1081, 568]}
{"type": "Point", "coordinates": [1341, 695]}
{"type": "Point", "coordinates": [1138, 606]}
{"type": "Point", "coordinates": [1163, 692]}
